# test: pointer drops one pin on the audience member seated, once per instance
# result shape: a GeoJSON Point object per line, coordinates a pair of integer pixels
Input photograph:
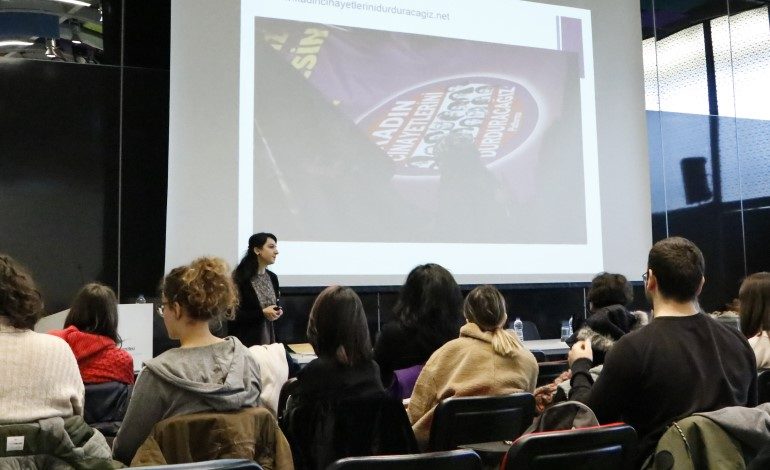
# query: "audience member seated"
{"type": "Point", "coordinates": [91, 330]}
{"type": "Point", "coordinates": [728, 314]}
{"type": "Point", "coordinates": [40, 377]}
{"type": "Point", "coordinates": [206, 373]}
{"type": "Point", "coordinates": [755, 315]}
{"type": "Point", "coordinates": [427, 315]}
{"type": "Point", "coordinates": [608, 297]}
{"type": "Point", "coordinates": [41, 392]}
{"type": "Point", "coordinates": [343, 373]}
{"type": "Point", "coordinates": [682, 363]}
{"type": "Point", "coordinates": [484, 360]}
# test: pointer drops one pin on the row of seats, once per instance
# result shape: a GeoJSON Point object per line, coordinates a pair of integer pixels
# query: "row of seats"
{"type": "Point", "coordinates": [603, 448]}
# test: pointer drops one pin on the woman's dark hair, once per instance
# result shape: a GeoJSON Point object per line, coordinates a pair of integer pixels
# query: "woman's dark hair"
{"type": "Point", "coordinates": [204, 288]}
{"type": "Point", "coordinates": [95, 310]}
{"type": "Point", "coordinates": [754, 298]}
{"type": "Point", "coordinates": [430, 299]}
{"type": "Point", "coordinates": [610, 289]}
{"type": "Point", "coordinates": [20, 302]}
{"type": "Point", "coordinates": [249, 264]}
{"type": "Point", "coordinates": [337, 326]}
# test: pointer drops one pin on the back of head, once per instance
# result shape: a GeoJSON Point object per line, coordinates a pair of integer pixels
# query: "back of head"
{"type": "Point", "coordinates": [204, 288]}
{"type": "Point", "coordinates": [20, 302]}
{"type": "Point", "coordinates": [754, 298]}
{"type": "Point", "coordinates": [337, 326]}
{"type": "Point", "coordinates": [430, 298]}
{"type": "Point", "coordinates": [678, 266]}
{"type": "Point", "coordinates": [610, 289]}
{"type": "Point", "coordinates": [95, 310]}
{"type": "Point", "coordinates": [485, 307]}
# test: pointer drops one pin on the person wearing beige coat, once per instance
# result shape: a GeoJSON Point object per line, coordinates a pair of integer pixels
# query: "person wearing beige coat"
{"type": "Point", "coordinates": [484, 360]}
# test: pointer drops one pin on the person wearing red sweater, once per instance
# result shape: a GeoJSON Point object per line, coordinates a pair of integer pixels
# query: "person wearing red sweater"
{"type": "Point", "coordinates": [91, 330]}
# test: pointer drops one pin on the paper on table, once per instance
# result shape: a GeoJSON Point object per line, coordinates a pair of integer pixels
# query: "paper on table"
{"type": "Point", "coordinates": [302, 348]}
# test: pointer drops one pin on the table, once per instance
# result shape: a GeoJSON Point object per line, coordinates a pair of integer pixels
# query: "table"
{"type": "Point", "coordinates": [550, 347]}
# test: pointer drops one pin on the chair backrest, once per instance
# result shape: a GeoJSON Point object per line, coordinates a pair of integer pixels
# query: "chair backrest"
{"type": "Point", "coordinates": [763, 386]}
{"type": "Point", "coordinates": [447, 460]}
{"type": "Point", "coordinates": [229, 464]}
{"type": "Point", "coordinates": [539, 355]}
{"type": "Point", "coordinates": [468, 420]}
{"type": "Point", "coordinates": [403, 381]}
{"type": "Point", "coordinates": [105, 406]}
{"type": "Point", "coordinates": [609, 447]}
{"type": "Point", "coordinates": [548, 371]}
{"type": "Point", "coordinates": [249, 433]}
{"type": "Point", "coordinates": [283, 398]}
{"type": "Point", "coordinates": [530, 331]}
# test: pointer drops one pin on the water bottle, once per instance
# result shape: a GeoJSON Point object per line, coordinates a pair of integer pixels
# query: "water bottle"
{"type": "Point", "coordinates": [518, 328]}
{"type": "Point", "coordinates": [570, 327]}
{"type": "Point", "coordinates": [566, 330]}
{"type": "Point", "coordinates": [140, 299]}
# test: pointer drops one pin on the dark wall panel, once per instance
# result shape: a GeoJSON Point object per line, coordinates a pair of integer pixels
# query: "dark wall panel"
{"type": "Point", "coordinates": [58, 173]}
{"type": "Point", "coordinates": [144, 180]}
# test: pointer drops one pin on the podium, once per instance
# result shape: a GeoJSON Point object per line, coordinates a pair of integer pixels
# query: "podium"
{"type": "Point", "coordinates": [134, 327]}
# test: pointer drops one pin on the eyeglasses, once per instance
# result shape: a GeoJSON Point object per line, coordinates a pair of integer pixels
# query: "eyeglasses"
{"type": "Point", "coordinates": [161, 308]}
{"type": "Point", "coordinates": [645, 276]}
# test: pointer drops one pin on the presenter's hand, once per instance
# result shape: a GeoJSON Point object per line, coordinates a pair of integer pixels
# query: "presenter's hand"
{"type": "Point", "coordinates": [580, 350]}
{"type": "Point", "coordinates": [272, 312]}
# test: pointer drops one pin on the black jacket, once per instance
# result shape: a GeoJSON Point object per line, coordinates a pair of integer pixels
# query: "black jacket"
{"type": "Point", "coordinates": [249, 319]}
{"type": "Point", "coordinates": [337, 411]}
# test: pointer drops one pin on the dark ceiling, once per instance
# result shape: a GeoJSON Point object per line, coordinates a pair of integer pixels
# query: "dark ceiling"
{"type": "Point", "coordinates": [661, 18]}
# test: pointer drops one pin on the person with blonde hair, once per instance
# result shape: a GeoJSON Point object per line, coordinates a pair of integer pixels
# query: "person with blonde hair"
{"type": "Point", "coordinates": [485, 360]}
{"type": "Point", "coordinates": [754, 300]}
{"type": "Point", "coordinates": [205, 373]}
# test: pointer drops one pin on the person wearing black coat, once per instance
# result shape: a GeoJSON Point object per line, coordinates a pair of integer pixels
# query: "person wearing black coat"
{"type": "Point", "coordinates": [259, 293]}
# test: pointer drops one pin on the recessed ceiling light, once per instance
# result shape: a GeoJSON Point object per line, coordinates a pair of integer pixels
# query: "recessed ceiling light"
{"type": "Point", "coordinates": [50, 49]}
{"type": "Point", "coordinates": [15, 43]}
{"type": "Point", "coordinates": [74, 2]}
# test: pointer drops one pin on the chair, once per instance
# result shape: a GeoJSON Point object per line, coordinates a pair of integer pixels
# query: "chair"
{"type": "Point", "coordinates": [249, 433]}
{"type": "Point", "coordinates": [286, 391]}
{"type": "Point", "coordinates": [763, 386]}
{"type": "Point", "coordinates": [530, 331]}
{"type": "Point", "coordinates": [105, 405]}
{"type": "Point", "coordinates": [539, 355]}
{"type": "Point", "coordinates": [469, 420]}
{"type": "Point", "coordinates": [229, 464]}
{"type": "Point", "coordinates": [548, 371]}
{"type": "Point", "coordinates": [448, 460]}
{"type": "Point", "coordinates": [608, 447]}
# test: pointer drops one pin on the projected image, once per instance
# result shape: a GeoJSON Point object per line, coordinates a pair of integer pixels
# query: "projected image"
{"type": "Point", "coordinates": [374, 136]}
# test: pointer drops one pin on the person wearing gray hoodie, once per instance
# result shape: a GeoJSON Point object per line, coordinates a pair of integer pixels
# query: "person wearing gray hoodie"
{"type": "Point", "coordinates": [206, 373]}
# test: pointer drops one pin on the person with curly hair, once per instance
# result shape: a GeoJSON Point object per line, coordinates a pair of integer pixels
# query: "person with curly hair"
{"type": "Point", "coordinates": [205, 373]}
{"type": "Point", "coordinates": [40, 377]}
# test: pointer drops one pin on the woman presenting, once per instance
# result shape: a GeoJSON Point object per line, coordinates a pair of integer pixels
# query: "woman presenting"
{"type": "Point", "coordinates": [259, 294]}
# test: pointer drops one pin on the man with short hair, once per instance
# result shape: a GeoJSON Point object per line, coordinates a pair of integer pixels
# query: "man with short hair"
{"type": "Point", "coordinates": [683, 362]}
